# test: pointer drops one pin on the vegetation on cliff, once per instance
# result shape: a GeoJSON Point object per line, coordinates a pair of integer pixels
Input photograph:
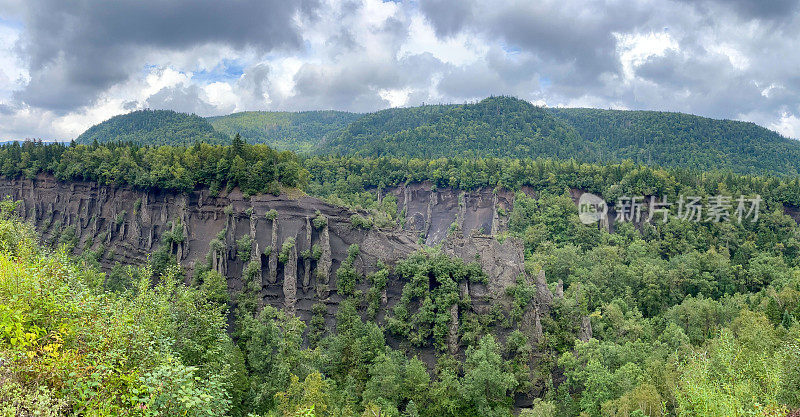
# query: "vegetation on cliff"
{"type": "Point", "coordinates": [675, 317]}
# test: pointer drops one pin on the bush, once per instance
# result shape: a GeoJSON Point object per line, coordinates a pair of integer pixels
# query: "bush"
{"type": "Point", "coordinates": [359, 222]}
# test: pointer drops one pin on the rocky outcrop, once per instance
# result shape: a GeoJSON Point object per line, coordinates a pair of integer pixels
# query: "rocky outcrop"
{"type": "Point", "coordinates": [325, 261]}
{"type": "Point", "coordinates": [290, 280]}
{"type": "Point", "coordinates": [430, 212]}
{"type": "Point", "coordinates": [452, 336]}
{"type": "Point", "coordinates": [502, 262]}
{"type": "Point", "coordinates": [307, 259]}
{"type": "Point", "coordinates": [585, 332]}
{"type": "Point", "coordinates": [205, 227]}
{"type": "Point", "coordinates": [544, 297]}
{"type": "Point", "coordinates": [273, 253]}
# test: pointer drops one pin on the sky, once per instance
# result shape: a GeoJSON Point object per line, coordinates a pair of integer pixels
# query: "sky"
{"type": "Point", "coordinates": [68, 64]}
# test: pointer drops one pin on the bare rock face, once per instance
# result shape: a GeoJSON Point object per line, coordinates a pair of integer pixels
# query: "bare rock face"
{"type": "Point", "coordinates": [502, 262]}
{"type": "Point", "coordinates": [585, 332]}
{"type": "Point", "coordinates": [273, 254]}
{"type": "Point", "coordinates": [325, 260]}
{"type": "Point", "coordinates": [538, 333]}
{"type": "Point", "coordinates": [307, 261]}
{"type": "Point", "coordinates": [544, 297]}
{"type": "Point", "coordinates": [452, 337]}
{"type": "Point", "coordinates": [430, 212]}
{"type": "Point", "coordinates": [290, 281]}
{"type": "Point", "coordinates": [560, 289]}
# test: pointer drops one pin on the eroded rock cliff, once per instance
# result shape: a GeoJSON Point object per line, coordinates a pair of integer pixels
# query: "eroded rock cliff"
{"type": "Point", "coordinates": [127, 225]}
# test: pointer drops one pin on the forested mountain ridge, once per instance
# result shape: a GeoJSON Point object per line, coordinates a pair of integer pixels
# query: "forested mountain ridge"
{"type": "Point", "coordinates": [292, 131]}
{"type": "Point", "coordinates": [679, 139]}
{"type": "Point", "coordinates": [496, 126]}
{"type": "Point", "coordinates": [154, 127]}
{"type": "Point", "coordinates": [508, 127]}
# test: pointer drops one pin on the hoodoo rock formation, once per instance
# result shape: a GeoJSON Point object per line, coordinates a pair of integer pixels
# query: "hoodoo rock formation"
{"type": "Point", "coordinates": [129, 224]}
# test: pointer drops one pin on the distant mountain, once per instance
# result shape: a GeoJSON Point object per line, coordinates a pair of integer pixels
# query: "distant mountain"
{"type": "Point", "coordinates": [298, 132]}
{"type": "Point", "coordinates": [678, 139]}
{"type": "Point", "coordinates": [496, 126]}
{"type": "Point", "coordinates": [154, 127]}
{"type": "Point", "coordinates": [8, 142]}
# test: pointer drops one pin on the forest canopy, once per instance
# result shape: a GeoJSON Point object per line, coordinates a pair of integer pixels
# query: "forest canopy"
{"type": "Point", "coordinates": [494, 127]}
{"type": "Point", "coordinates": [154, 127]}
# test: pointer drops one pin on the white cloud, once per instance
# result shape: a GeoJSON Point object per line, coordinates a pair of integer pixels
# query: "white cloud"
{"type": "Point", "coordinates": [635, 48]}
{"type": "Point", "coordinates": [788, 125]}
{"type": "Point", "coordinates": [13, 74]}
{"type": "Point", "coordinates": [395, 97]}
{"type": "Point", "coordinates": [457, 50]}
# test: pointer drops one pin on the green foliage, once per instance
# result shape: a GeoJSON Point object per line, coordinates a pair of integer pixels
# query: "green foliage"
{"type": "Point", "coordinates": [244, 246]}
{"type": "Point", "coordinates": [487, 384]}
{"type": "Point", "coordinates": [272, 215]}
{"type": "Point", "coordinates": [378, 281]}
{"type": "Point", "coordinates": [346, 276]}
{"type": "Point", "coordinates": [521, 295]}
{"type": "Point", "coordinates": [433, 279]}
{"type": "Point", "coordinates": [297, 132]}
{"type": "Point", "coordinates": [677, 139]}
{"type": "Point", "coordinates": [741, 373]}
{"type": "Point", "coordinates": [358, 221]}
{"type": "Point", "coordinates": [68, 345]}
{"type": "Point", "coordinates": [255, 169]}
{"type": "Point", "coordinates": [496, 126]}
{"type": "Point", "coordinates": [316, 326]}
{"type": "Point", "coordinates": [286, 249]}
{"type": "Point", "coordinates": [316, 251]}
{"type": "Point", "coordinates": [153, 127]}
{"type": "Point", "coordinates": [539, 409]}
{"type": "Point", "coordinates": [319, 221]}
{"type": "Point", "coordinates": [215, 287]}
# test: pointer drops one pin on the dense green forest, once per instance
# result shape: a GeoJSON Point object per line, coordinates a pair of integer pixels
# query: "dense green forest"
{"type": "Point", "coordinates": [254, 168]}
{"type": "Point", "coordinates": [494, 127]}
{"type": "Point", "coordinates": [677, 139]}
{"type": "Point", "coordinates": [297, 132]}
{"type": "Point", "coordinates": [689, 319]}
{"type": "Point", "coordinates": [154, 127]}
{"type": "Point", "coordinates": [497, 126]}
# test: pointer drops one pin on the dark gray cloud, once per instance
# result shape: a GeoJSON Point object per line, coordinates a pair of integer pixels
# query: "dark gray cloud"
{"type": "Point", "coordinates": [576, 37]}
{"type": "Point", "coordinates": [753, 9]}
{"type": "Point", "coordinates": [724, 58]}
{"type": "Point", "coordinates": [76, 49]}
{"type": "Point", "coordinates": [448, 16]}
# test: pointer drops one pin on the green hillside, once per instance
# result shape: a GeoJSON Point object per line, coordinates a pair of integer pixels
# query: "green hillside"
{"type": "Point", "coordinates": [496, 126]}
{"type": "Point", "coordinates": [154, 127]}
{"type": "Point", "coordinates": [298, 132]}
{"type": "Point", "coordinates": [678, 139]}
{"type": "Point", "coordinates": [508, 127]}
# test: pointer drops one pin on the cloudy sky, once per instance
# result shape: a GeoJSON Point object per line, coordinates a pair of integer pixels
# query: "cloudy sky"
{"type": "Point", "coordinates": [67, 64]}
